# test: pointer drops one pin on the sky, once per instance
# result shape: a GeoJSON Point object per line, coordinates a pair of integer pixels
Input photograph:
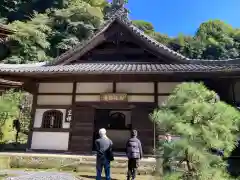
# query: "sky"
{"type": "Point", "coordinates": [173, 17]}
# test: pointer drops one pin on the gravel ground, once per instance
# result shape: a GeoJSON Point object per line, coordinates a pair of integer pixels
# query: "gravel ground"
{"type": "Point", "coordinates": [23, 175]}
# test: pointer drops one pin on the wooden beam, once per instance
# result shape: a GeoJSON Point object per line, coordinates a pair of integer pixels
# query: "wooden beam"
{"type": "Point", "coordinates": [51, 129]}
{"type": "Point", "coordinates": [53, 106]}
{"type": "Point", "coordinates": [98, 94]}
{"type": "Point", "coordinates": [16, 77]}
{"type": "Point", "coordinates": [168, 77]}
{"type": "Point", "coordinates": [125, 50]}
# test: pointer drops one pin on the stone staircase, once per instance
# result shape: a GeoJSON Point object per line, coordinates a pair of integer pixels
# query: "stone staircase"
{"type": "Point", "coordinates": [76, 163]}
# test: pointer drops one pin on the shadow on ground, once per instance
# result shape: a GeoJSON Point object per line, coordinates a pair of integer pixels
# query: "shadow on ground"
{"type": "Point", "coordinates": [94, 177]}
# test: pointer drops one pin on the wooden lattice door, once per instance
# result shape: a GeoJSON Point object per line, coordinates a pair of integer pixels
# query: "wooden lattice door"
{"type": "Point", "coordinates": [82, 130]}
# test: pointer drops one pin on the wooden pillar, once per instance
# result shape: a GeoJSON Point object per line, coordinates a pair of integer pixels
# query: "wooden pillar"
{"type": "Point", "coordinates": [232, 92]}
{"type": "Point", "coordinates": [156, 102]}
{"type": "Point", "coordinates": [73, 107]}
{"type": "Point", "coordinates": [33, 111]}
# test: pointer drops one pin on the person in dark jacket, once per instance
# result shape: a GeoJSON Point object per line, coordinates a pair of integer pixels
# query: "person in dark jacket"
{"type": "Point", "coordinates": [134, 153]}
{"type": "Point", "coordinates": [104, 155]}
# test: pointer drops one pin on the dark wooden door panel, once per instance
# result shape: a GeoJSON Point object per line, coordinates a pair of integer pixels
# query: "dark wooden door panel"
{"type": "Point", "coordinates": [143, 124]}
{"type": "Point", "coordinates": [82, 130]}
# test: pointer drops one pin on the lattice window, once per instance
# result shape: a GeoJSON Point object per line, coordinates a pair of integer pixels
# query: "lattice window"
{"type": "Point", "coordinates": [117, 120]}
{"type": "Point", "coordinates": [52, 119]}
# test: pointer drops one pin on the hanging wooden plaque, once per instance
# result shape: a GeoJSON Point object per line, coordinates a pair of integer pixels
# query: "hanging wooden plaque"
{"type": "Point", "coordinates": [68, 117]}
{"type": "Point", "coordinates": [113, 97]}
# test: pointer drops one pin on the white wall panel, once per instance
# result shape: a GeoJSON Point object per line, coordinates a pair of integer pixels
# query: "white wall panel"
{"type": "Point", "coordinates": [161, 100]}
{"type": "Point", "coordinates": [135, 87]}
{"type": "Point", "coordinates": [54, 100]}
{"type": "Point", "coordinates": [87, 98]}
{"type": "Point", "coordinates": [166, 87]}
{"type": "Point", "coordinates": [94, 87]}
{"type": "Point", "coordinates": [55, 87]}
{"type": "Point", "coordinates": [140, 98]}
{"type": "Point", "coordinates": [50, 140]}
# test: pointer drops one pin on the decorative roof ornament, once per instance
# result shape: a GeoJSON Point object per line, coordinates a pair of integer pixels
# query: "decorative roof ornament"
{"type": "Point", "coordinates": [114, 9]}
{"type": "Point", "coordinates": [119, 3]}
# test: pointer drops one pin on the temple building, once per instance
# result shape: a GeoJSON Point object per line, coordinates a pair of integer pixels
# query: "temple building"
{"type": "Point", "coordinates": [112, 80]}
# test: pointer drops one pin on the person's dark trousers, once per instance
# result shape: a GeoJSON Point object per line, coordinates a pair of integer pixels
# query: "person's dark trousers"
{"type": "Point", "coordinates": [100, 166]}
{"type": "Point", "coordinates": [167, 168]}
{"type": "Point", "coordinates": [132, 168]}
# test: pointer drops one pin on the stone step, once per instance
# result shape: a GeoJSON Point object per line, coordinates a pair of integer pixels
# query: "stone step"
{"type": "Point", "coordinates": [78, 163]}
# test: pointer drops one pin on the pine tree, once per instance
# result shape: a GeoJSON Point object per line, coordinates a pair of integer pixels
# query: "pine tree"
{"type": "Point", "coordinates": [202, 122]}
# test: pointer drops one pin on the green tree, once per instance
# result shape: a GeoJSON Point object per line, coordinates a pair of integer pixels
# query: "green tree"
{"type": "Point", "coordinates": [61, 24]}
{"type": "Point", "coordinates": [50, 34]}
{"type": "Point", "coordinates": [9, 111]}
{"type": "Point", "coordinates": [30, 42]}
{"type": "Point", "coordinates": [162, 38]}
{"type": "Point", "coordinates": [203, 122]}
{"type": "Point", "coordinates": [10, 6]}
{"type": "Point", "coordinates": [72, 25]}
{"type": "Point", "coordinates": [219, 39]}
{"type": "Point", "coordinates": [144, 26]}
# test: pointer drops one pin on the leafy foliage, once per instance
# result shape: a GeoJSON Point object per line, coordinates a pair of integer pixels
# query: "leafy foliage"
{"type": "Point", "coordinates": [30, 43]}
{"type": "Point", "coordinates": [203, 122]}
{"type": "Point", "coordinates": [48, 28]}
{"type": "Point", "coordinates": [72, 25]}
{"type": "Point", "coordinates": [213, 40]}
{"type": "Point", "coordinates": [143, 25]}
{"type": "Point", "coordinates": [47, 35]}
{"type": "Point", "coordinates": [9, 105]}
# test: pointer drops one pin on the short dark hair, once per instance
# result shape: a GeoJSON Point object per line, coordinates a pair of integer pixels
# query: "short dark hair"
{"type": "Point", "coordinates": [134, 132]}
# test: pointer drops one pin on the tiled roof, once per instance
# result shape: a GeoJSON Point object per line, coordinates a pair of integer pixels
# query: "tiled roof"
{"type": "Point", "coordinates": [119, 68]}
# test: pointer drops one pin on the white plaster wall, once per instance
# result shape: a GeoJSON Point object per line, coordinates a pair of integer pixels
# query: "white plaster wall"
{"type": "Point", "coordinates": [50, 140]}
{"type": "Point", "coordinates": [140, 98]}
{"type": "Point", "coordinates": [55, 87]}
{"type": "Point", "coordinates": [87, 98]}
{"type": "Point", "coordinates": [161, 100]}
{"type": "Point", "coordinates": [94, 87]}
{"type": "Point", "coordinates": [54, 100]}
{"type": "Point", "coordinates": [167, 87]}
{"type": "Point", "coordinates": [135, 87]}
{"type": "Point", "coordinates": [39, 116]}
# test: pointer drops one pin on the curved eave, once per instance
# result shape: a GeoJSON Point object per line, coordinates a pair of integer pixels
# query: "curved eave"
{"type": "Point", "coordinates": [114, 68]}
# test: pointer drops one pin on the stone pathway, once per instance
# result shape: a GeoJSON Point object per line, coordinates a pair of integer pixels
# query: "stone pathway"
{"type": "Point", "coordinates": [39, 175]}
